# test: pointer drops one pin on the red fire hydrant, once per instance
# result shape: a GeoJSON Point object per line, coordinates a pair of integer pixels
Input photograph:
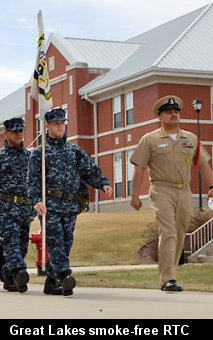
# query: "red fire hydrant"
{"type": "Point", "coordinates": [37, 239]}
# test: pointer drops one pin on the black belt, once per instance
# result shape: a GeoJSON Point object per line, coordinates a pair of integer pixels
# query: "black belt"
{"type": "Point", "coordinates": [62, 194]}
{"type": "Point", "coordinates": [15, 199]}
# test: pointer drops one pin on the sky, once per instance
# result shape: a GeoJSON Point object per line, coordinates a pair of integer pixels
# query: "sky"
{"type": "Point", "coordinates": [89, 19]}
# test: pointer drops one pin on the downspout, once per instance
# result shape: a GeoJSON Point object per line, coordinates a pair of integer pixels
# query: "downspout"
{"type": "Point", "coordinates": [95, 142]}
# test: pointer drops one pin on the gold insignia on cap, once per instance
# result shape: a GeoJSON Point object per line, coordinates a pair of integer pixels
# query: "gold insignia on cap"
{"type": "Point", "coordinates": [171, 101]}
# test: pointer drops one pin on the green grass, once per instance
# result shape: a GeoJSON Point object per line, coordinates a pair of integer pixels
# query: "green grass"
{"type": "Point", "coordinates": [105, 238]}
{"type": "Point", "coordinates": [192, 277]}
{"type": "Point", "coordinates": [114, 239]}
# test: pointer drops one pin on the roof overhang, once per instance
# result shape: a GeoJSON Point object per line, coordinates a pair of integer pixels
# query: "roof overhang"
{"type": "Point", "coordinates": [147, 77]}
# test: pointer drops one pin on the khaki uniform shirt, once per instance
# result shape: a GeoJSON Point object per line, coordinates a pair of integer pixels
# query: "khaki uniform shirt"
{"type": "Point", "coordinates": [168, 160]}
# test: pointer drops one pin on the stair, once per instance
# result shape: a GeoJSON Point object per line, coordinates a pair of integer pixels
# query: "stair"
{"type": "Point", "coordinates": [206, 258]}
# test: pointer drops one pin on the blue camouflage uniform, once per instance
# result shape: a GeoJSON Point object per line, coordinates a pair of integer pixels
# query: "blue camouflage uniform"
{"type": "Point", "coordinates": [68, 168]}
{"type": "Point", "coordinates": [16, 213]}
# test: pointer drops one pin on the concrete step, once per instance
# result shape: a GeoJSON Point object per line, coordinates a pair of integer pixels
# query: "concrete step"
{"type": "Point", "coordinates": [205, 259]}
{"type": "Point", "coordinates": [209, 252]}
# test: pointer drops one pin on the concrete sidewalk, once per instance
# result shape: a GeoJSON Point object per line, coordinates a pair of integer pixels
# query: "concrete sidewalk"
{"type": "Point", "coordinates": [100, 268]}
{"type": "Point", "coordinates": [106, 303]}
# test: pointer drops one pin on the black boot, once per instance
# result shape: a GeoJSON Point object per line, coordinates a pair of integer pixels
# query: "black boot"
{"type": "Point", "coordinates": [9, 284]}
{"type": "Point", "coordinates": [52, 286]}
{"type": "Point", "coordinates": [21, 278]}
{"type": "Point", "coordinates": [68, 283]}
{"type": "Point", "coordinates": [171, 286]}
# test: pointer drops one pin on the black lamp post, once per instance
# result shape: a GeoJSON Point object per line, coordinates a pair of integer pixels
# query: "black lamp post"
{"type": "Point", "coordinates": [197, 103]}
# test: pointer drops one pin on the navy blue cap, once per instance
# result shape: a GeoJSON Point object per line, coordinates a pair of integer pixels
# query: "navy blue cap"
{"type": "Point", "coordinates": [55, 114]}
{"type": "Point", "coordinates": [14, 124]}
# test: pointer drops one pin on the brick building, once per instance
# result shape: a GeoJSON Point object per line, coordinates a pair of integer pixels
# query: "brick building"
{"type": "Point", "coordinates": [108, 89]}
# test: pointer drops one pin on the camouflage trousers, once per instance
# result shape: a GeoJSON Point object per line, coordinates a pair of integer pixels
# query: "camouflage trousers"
{"type": "Point", "coordinates": [15, 239]}
{"type": "Point", "coordinates": [59, 238]}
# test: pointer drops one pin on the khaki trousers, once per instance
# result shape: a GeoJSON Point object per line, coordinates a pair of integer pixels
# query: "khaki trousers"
{"type": "Point", "coordinates": [172, 207]}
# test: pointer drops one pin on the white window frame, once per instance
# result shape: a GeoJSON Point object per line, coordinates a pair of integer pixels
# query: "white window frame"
{"type": "Point", "coordinates": [51, 63]}
{"type": "Point", "coordinates": [116, 108]}
{"type": "Point", "coordinates": [129, 171]}
{"type": "Point", "coordinates": [117, 171]}
{"type": "Point", "coordinates": [71, 85]}
{"type": "Point", "coordinates": [28, 101]}
{"type": "Point", "coordinates": [38, 130]}
{"type": "Point", "coordinates": [128, 98]}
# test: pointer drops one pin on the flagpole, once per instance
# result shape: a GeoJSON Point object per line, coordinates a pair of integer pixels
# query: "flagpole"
{"type": "Point", "coordinates": [41, 92]}
{"type": "Point", "coordinates": [43, 194]}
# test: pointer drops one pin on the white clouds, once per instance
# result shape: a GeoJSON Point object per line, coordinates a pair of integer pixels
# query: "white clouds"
{"type": "Point", "coordinates": [21, 20]}
{"type": "Point", "coordinates": [11, 80]}
{"type": "Point", "coordinates": [13, 75]}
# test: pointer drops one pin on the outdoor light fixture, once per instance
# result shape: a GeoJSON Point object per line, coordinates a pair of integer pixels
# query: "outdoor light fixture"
{"type": "Point", "coordinates": [197, 103]}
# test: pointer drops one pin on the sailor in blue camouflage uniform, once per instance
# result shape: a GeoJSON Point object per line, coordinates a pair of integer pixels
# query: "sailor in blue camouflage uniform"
{"type": "Point", "coordinates": [68, 168]}
{"type": "Point", "coordinates": [16, 210]}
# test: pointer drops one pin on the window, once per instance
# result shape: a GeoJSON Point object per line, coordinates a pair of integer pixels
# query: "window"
{"type": "Point", "coordinates": [129, 108]}
{"type": "Point", "coordinates": [51, 63]}
{"type": "Point", "coordinates": [64, 107]}
{"type": "Point", "coordinates": [38, 129]}
{"type": "Point", "coordinates": [129, 173]}
{"type": "Point", "coordinates": [71, 85]}
{"type": "Point", "coordinates": [212, 102]}
{"type": "Point", "coordinates": [28, 101]}
{"type": "Point", "coordinates": [118, 175]}
{"type": "Point", "coordinates": [116, 105]}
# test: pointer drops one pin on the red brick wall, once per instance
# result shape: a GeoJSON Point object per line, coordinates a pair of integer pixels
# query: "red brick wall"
{"type": "Point", "coordinates": [80, 114]}
{"type": "Point", "coordinates": [188, 93]}
{"type": "Point", "coordinates": [2, 138]}
{"type": "Point", "coordinates": [60, 62]}
{"type": "Point", "coordinates": [144, 100]}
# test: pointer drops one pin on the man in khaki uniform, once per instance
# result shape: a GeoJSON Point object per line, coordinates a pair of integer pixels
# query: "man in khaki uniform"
{"type": "Point", "coordinates": [169, 153]}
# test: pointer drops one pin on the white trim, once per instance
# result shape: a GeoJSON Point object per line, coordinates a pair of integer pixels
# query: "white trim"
{"type": "Point", "coordinates": [64, 106]}
{"type": "Point", "coordinates": [128, 127]}
{"type": "Point", "coordinates": [80, 137]}
{"type": "Point", "coordinates": [131, 147]}
{"type": "Point", "coordinates": [76, 65]}
{"type": "Point", "coordinates": [205, 142]}
{"type": "Point", "coordinates": [58, 79]}
{"type": "Point", "coordinates": [152, 73]}
{"type": "Point", "coordinates": [194, 121]}
{"type": "Point", "coordinates": [112, 152]}
{"type": "Point", "coordinates": [134, 126]}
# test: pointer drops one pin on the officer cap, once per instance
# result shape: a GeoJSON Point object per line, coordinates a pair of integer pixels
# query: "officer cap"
{"type": "Point", "coordinates": [14, 124]}
{"type": "Point", "coordinates": [55, 114]}
{"type": "Point", "coordinates": [166, 103]}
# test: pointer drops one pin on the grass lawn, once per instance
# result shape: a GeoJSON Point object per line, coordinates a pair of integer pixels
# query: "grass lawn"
{"type": "Point", "coordinates": [115, 238]}
{"type": "Point", "coordinates": [105, 238]}
{"type": "Point", "coordinates": [193, 277]}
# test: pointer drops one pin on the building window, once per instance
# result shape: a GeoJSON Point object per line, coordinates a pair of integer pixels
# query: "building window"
{"type": "Point", "coordinates": [51, 63]}
{"type": "Point", "coordinates": [129, 112]}
{"type": "Point", "coordinates": [116, 104]}
{"type": "Point", "coordinates": [38, 129]}
{"type": "Point", "coordinates": [118, 175]}
{"type": "Point", "coordinates": [71, 85]}
{"type": "Point", "coordinates": [212, 102]}
{"type": "Point", "coordinates": [129, 173]}
{"type": "Point", "coordinates": [28, 101]}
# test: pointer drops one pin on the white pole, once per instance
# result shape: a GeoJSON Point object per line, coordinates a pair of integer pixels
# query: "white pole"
{"type": "Point", "coordinates": [43, 194]}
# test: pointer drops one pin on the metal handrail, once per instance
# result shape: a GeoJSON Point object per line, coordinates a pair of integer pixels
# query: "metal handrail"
{"type": "Point", "coordinates": [200, 237]}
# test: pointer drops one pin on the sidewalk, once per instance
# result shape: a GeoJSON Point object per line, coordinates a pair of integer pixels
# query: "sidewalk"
{"type": "Point", "coordinates": [99, 268]}
{"type": "Point", "coordinates": [106, 303]}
